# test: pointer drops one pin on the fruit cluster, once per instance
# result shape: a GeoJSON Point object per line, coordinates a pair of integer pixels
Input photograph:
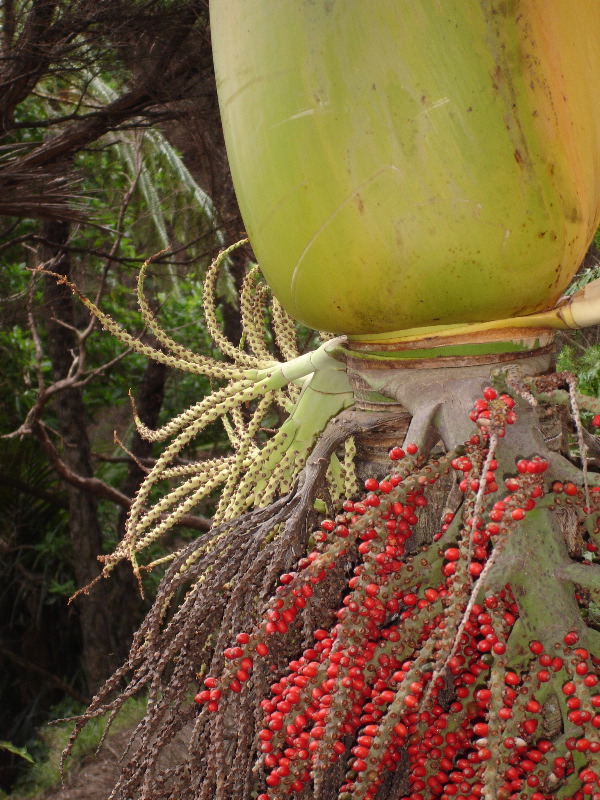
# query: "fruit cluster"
{"type": "Point", "coordinates": [493, 412]}
{"type": "Point", "coordinates": [430, 670]}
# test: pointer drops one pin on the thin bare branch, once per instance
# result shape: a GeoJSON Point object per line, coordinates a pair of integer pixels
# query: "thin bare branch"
{"type": "Point", "coordinates": [49, 676]}
{"type": "Point", "coordinates": [97, 487]}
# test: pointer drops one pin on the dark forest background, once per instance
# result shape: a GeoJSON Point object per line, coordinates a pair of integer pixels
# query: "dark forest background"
{"type": "Point", "coordinates": [110, 151]}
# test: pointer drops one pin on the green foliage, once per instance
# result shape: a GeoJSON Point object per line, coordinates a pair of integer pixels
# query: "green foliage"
{"type": "Point", "coordinates": [172, 203]}
{"type": "Point", "coordinates": [580, 351]}
{"type": "Point", "coordinates": [583, 277]}
{"type": "Point", "coordinates": [18, 751]}
{"type": "Point", "coordinates": [585, 363]}
{"type": "Point", "coordinates": [52, 739]}
{"type": "Point", "coordinates": [18, 386]}
{"type": "Point", "coordinates": [590, 269]}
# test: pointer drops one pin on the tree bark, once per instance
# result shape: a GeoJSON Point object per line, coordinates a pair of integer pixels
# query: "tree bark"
{"type": "Point", "coordinates": [95, 609]}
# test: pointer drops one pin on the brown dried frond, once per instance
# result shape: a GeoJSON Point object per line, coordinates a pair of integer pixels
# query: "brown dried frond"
{"type": "Point", "coordinates": [48, 193]}
{"type": "Point", "coordinates": [159, 53]}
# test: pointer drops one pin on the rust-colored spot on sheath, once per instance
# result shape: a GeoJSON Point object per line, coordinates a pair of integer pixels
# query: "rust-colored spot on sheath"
{"type": "Point", "coordinates": [519, 158]}
{"type": "Point", "coordinates": [497, 77]}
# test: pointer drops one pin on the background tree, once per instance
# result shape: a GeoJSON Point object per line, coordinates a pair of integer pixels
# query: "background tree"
{"type": "Point", "coordinates": [90, 187]}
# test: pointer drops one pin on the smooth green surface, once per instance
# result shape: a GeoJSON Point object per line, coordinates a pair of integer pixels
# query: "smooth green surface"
{"type": "Point", "coordinates": [402, 163]}
{"type": "Point", "coordinates": [458, 350]}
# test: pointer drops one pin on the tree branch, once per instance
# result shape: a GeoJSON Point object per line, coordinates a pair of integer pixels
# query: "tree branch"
{"type": "Point", "coordinates": [28, 665]}
{"type": "Point", "coordinates": [97, 487]}
{"type": "Point", "coordinates": [132, 103]}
